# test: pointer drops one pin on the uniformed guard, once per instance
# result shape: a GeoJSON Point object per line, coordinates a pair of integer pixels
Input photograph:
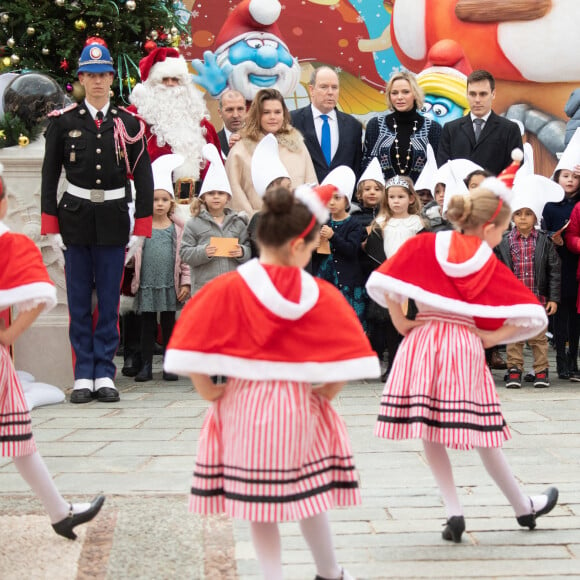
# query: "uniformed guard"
{"type": "Point", "coordinates": [101, 148]}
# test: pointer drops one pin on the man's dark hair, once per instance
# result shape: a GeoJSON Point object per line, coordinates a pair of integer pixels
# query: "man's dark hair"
{"type": "Point", "coordinates": [481, 75]}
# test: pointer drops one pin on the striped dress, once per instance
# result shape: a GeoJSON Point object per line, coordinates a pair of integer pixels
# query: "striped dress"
{"type": "Point", "coordinates": [271, 449]}
{"type": "Point", "coordinates": [448, 397]}
{"type": "Point", "coordinates": [16, 437]}
{"type": "Point", "coordinates": [440, 388]}
{"type": "Point", "coordinates": [24, 282]}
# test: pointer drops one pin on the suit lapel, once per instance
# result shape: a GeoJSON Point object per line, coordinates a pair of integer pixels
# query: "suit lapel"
{"type": "Point", "coordinates": [467, 128]}
{"type": "Point", "coordinates": [310, 135]}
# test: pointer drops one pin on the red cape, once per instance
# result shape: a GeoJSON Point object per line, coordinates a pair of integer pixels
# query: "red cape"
{"type": "Point", "coordinates": [426, 269]}
{"type": "Point", "coordinates": [23, 276]}
{"type": "Point", "coordinates": [240, 326]}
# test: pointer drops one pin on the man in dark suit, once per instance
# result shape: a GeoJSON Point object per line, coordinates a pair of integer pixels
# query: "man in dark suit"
{"type": "Point", "coordinates": [232, 110]}
{"type": "Point", "coordinates": [98, 145]}
{"type": "Point", "coordinates": [481, 136]}
{"type": "Point", "coordinates": [332, 138]}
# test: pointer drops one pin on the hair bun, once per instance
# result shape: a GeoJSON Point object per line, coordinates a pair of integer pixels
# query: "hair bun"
{"type": "Point", "coordinates": [278, 201]}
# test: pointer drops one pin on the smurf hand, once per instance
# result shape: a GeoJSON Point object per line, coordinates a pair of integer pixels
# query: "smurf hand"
{"type": "Point", "coordinates": [58, 248]}
{"type": "Point", "coordinates": [209, 74]}
{"type": "Point", "coordinates": [135, 243]}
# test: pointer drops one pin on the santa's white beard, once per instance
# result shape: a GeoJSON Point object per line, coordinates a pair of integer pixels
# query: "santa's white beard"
{"type": "Point", "coordinates": [174, 115]}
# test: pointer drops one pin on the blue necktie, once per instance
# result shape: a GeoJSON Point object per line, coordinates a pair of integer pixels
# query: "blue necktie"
{"type": "Point", "coordinates": [325, 139]}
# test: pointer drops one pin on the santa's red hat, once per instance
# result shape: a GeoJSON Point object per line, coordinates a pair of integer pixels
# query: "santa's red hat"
{"type": "Point", "coordinates": [249, 16]}
{"type": "Point", "coordinates": [503, 183]}
{"type": "Point", "coordinates": [163, 62]}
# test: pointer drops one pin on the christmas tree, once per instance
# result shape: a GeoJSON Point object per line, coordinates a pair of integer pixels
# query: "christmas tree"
{"type": "Point", "coordinates": [47, 36]}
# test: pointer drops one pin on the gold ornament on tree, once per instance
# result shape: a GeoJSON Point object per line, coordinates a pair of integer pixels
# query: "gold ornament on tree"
{"type": "Point", "coordinates": [59, 2]}
{"type": "Point", "coordinates": [45, 51]}
{"type": "Point", "coordinates": [130, 5]}
{"type": "Point", "coordinates": [80, 24]}
{"type": "Point", "coordinates": [11, 42]}
{"type": "Point", "coordinates": [99, 24]}
{"type": "Point", "coordinates": [4, 17]}
{"type": "Point", "coordinates": [6, 61]}
{"type": "Point", "coordinates": [15, 59]}
{"type": "Point", "coordinates": [30, 31]}
{"type": "Point", "coordinates": [23, 140]}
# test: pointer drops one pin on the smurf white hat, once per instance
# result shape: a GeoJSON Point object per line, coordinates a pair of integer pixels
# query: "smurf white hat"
{"type": "Point", "coordinates": [374, 172]}
{"type": "Point", "coordinates": [571, 156]}
{"type": "Point", "coordinates": [426, 179]}
{"type": "Point", "coordinates": [216, 178]}
{"type": "Point", "coordinates": [534, 192]}
{"type": "Point", "coordinates": [266, 164]}
{"type": "Point", "coordinates": [163, 168]}
{"type": "Point", "coordinates": [452, 174]}
{"type": "Point", "coordinates": [343, 178]}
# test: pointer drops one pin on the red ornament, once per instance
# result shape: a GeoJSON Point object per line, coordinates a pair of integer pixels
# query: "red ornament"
{"type": "Point", "coordinates": [95, 40]}
{"type": "Point", "coordinates": [149, 46]}
{"type": "Point", "coordinates": [64, 64]}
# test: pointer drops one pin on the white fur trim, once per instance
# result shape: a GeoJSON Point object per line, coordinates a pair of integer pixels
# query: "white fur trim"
{"type": "Point", "coordinates": [186, 362]}
{"type": "Point", "coordinates": [3, 228]}
{"type": "Point", "coordinates": [265, 12]}
{"type": "Point", "coordinates": [531, 318]}
{"type": "Point", "coordinates": [257, 279]}
{"type": "Point", "coordinates": [474, 264]}
{"type": "Point", "coordinates": [170, 67]}
{"type": "Point", "coordinates": [310, 199]}
{"type": "Point", "coordinates": [29, 295]}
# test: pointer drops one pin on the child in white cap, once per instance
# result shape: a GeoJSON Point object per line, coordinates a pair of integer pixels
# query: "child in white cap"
{"type": "Point", "coordinates": [530, 254]}
{"type": "Point", "coordinates": [161, 281]}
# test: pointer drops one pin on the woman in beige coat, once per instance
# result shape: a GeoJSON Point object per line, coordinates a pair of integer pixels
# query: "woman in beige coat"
{"type": "Point", "coordinates": [268, 114]}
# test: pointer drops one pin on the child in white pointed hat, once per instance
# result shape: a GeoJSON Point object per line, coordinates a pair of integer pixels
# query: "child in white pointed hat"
{"type": "Point", "coordinates": [161, 281]}
{"type": "Point", "coordinates": [370, 191]}
{"type": "Point", "coordinates": [531, 255]}
{"type": "Point", "coordinates": [342, 237]}
{"type": "Point", "coordinates": [561, 220]}
{"type": "Point", "coordinates": [201, 248]}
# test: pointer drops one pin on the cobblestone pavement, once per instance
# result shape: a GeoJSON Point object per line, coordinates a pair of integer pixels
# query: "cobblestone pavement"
{"type": "Point", "coordinates": [140, 453]}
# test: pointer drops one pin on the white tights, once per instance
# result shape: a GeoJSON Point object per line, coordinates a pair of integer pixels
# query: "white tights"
{"type": "Point", "coordinates": [495, 464]}
{"type": "Point", "coordinates": [34, 472]}
{"type": "Point", "coordinates": [316, 532]}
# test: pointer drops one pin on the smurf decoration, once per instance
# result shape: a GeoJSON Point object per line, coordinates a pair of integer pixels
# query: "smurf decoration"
{"type": "Point", "coordinates": [250, 54]}
{"type": "Point", "coordinates": [444, 82]}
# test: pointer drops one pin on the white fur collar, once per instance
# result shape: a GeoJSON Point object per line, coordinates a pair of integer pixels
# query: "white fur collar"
{"type": "Point", "coordinates": [256, 277]}
{"type": "Point", "coordinates": [470, 266]}
{"type": "Point", "coordinates": [3, 228]}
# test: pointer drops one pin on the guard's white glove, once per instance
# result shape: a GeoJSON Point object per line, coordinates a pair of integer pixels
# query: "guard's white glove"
{"type": "Point", "coordinates": [58, 247]}
{"type": "Point", "coordinates": [135, 243]}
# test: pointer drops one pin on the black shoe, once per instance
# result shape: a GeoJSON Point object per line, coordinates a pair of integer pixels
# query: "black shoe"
{"type": "Point", "coordinates": [529, 377]}
{"type": "Point", "coordinates": [108, 395]}
{"type": "Point", "coordinates": [564, 375]}
{"type": "Point", "coordinates": [170, 377]}
{"type": "Point", "coordinates": [542, 379]}
{"type": "Point", "coordinates": [130, 369]}
{"type": "Point", "coordinates": [145, 374]}
{"type": "Point", "coordinates": [529, 520]}
{"type": "Point", "coordinates": [514, 380]}
{"type": "Point", "coordinates": [574, 377]}
{"type": "Point", "coordinates": [81, 396]}
{"type": "Point", "coordinates": [454, 528]}
{"type": "Point", "coordinates": [65, 527]}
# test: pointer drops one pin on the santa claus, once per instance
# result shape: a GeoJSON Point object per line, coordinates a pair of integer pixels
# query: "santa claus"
{"type": "Point", "coordinates": [174, 110]}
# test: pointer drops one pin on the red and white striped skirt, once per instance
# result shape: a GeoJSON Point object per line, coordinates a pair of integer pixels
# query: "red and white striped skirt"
{"type": "Point", "coordinates": [273, 451]}
{"type": "Point", "coordinates": [440, 388]}
{"type": "Point", "coordinates": [16, 438]}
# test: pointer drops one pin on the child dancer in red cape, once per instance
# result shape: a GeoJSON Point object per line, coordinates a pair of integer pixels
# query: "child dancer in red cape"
{"type": "Point", "coordinates": [25, 284]}
{"type": "Point", "coordinates": [272, 447]}
{"type": "Point", "coordinates": [440, 389]}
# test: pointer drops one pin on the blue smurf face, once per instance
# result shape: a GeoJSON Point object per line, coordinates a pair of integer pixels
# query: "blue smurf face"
{"type": "Point", "coordinates": [441, 109]}
{"type": "Point", "coordinates": [266, 53]}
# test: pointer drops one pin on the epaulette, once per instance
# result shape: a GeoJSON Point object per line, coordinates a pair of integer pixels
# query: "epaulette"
{"type": "Point", "coordinates": [133, 114]}
{"type": "Point", "coordinates": [60, 112]}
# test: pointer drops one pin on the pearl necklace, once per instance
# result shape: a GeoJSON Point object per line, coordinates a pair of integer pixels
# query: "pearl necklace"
{"type": "Point", "coordinates": [403, 170]}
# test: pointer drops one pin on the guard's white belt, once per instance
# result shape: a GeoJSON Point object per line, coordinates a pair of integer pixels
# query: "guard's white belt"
{"type": "Point", "coordinates": [96, 195]}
